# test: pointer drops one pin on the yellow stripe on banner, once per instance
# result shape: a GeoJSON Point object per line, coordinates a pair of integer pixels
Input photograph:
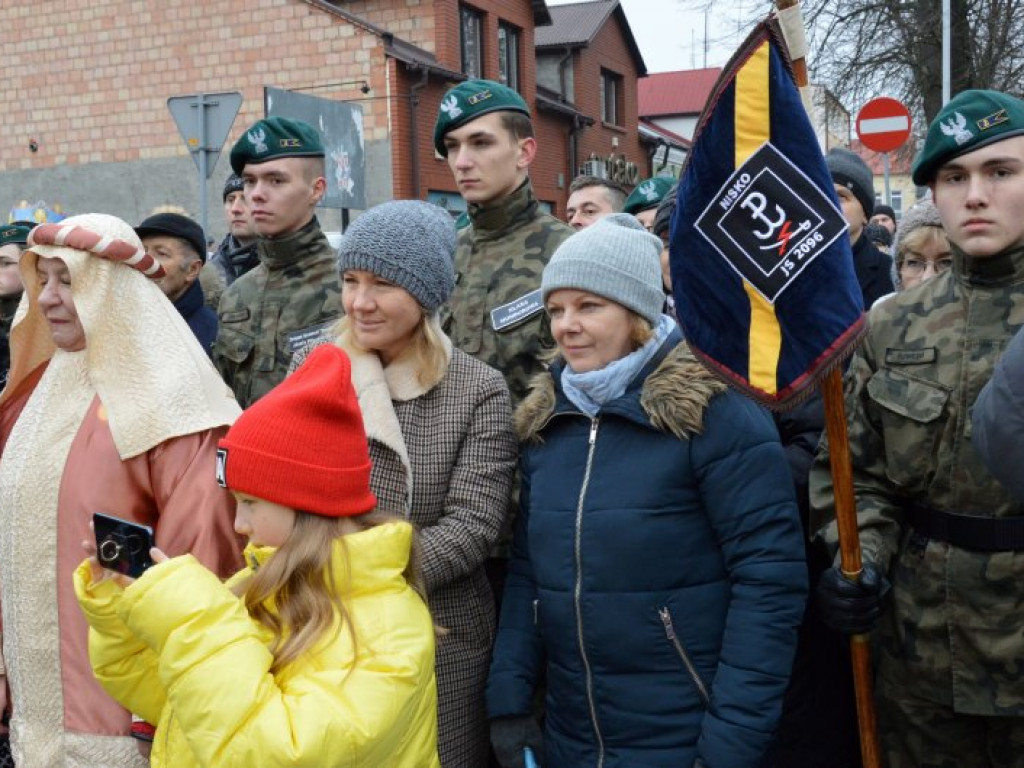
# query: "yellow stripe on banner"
{"type": "Point", "coordinates": [752, 129]}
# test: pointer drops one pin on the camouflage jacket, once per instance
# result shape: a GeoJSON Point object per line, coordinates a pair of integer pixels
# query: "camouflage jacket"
{"type": "Point", "coordinates": [8, 306]}
{"type": "Point", "coordinates": [496, 313]}
{"type": "Point", "coordinates": [269, 312]}
{"type": "Point", "coordinates": [954, 627]}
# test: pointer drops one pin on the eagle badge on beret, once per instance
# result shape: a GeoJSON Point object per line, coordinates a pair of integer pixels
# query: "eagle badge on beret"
{"type": "Point", "coordinates": [258, 139]}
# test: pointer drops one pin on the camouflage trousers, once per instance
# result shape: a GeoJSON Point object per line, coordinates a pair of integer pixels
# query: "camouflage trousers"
{"type": "Point", "coordinates": [950, 644]}
{"type": "Point", "coordinates": [921, 734]}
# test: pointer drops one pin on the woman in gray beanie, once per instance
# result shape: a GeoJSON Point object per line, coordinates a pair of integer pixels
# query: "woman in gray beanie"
{"type": "Point", "coordinates": [439, 425]}
{"type": "Point", "coordinates": [658, 535]}
{"type": "Point", "coordinates": [921, 248]}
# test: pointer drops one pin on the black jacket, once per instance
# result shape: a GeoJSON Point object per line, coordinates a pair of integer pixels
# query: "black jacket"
{"type": "Point", "coordinates": [874, 271]}
{"type": "Point", "coordinates": [200, 318]}
{"type": "Point", "coordinates": [234, 259]}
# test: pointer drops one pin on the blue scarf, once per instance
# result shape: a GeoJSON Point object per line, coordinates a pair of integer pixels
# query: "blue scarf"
{"type": "Point", "coordinates": [591, 390]}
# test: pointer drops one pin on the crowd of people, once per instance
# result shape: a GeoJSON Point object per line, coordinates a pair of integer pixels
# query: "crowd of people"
{"type": "Point", "coordinates": [459, 495]}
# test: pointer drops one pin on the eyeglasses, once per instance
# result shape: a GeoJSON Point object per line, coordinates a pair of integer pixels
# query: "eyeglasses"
{"type": "Point", "coordinates": [915, 264]}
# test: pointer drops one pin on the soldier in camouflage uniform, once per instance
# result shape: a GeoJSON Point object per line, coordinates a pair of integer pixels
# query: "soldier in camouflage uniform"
{"type": "Point", "coordinates": [13, 239]}
{"type": "Point", "coordinates": [496, 313]}
{"type": "Point", "coordinates": [269, 313]}
{"type": "Point", "coordinates": [932, 519]}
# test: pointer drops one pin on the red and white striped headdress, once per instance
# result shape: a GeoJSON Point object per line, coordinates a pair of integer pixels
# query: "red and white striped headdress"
{"type": "Point", "coordinates": [111, 248]}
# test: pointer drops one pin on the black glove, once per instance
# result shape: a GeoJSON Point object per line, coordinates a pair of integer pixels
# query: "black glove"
{"type": "Point", "coordinates": [509, 735]}
{"type": "Point", "coordinates": [852, 607]}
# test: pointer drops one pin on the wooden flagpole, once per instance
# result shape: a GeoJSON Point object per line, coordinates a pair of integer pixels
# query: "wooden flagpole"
{"type": "Point", "coordinates": [846, 516]}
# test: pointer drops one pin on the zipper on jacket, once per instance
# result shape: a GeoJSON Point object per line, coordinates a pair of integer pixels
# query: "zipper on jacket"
{"type": "Point", "coordinates": [670, 633]}
{"type": "Point", "coordinates": [578, 591]}
{"type": "Point", "coordinates": [536, 605]}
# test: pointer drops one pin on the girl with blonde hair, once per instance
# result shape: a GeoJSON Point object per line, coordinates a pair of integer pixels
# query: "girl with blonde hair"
{"type": "Point", "coordinates": [321, 651]}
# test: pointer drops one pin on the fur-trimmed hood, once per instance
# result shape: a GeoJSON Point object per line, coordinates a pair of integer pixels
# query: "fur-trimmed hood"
{"type": "Point", "coordinates": [673, 397]}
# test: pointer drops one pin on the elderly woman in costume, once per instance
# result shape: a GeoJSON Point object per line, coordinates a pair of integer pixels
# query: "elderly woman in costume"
{"type": "Point", "coordinates": [111, 406]}
{"type": "Point", "coordinates": [439, 424]}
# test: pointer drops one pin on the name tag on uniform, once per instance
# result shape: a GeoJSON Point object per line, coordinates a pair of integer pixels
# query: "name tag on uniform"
{"type": "Point", "coordinates": [301, 339]}
{"type": "Point", "coordinates": [515, 312]}
{"type": "Point", "coordinates": [910, 356]}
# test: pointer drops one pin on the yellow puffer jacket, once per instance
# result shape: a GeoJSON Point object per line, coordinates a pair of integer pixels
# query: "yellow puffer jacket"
{"type": "Point", "coordinates": [179, 649]}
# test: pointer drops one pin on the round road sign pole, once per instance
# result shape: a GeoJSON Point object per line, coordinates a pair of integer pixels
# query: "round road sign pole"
{"type": "Point", "coordinates": [885, 166]}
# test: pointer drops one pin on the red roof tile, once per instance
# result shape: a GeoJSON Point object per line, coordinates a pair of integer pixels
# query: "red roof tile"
{"type": "Point", "coordinates": [675, 93]}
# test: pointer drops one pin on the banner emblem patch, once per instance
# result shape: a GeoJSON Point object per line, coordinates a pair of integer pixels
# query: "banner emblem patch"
{"type": "Point", "coordinates": [769, 221]}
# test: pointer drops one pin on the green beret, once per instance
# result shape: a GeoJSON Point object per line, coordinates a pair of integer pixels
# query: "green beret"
{"type": "Point", "coordinates": [470, 100]}
{"type": "Point", "coordinates": [972, 120]}
{"type": "Point", "coordinates": [275, 137]}
{"type": "Point", "coordinates": [16, 233]}
{"type": "Point", "coordinates": [647, 194]}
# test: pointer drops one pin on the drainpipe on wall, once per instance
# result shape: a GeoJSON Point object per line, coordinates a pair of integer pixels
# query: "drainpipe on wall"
{"type": "Point", "coordinates": [414, 100]}
{"type": "Point", "coordinates": [576, 124]}
{"type": "Point", "coordinates": [574, 146]}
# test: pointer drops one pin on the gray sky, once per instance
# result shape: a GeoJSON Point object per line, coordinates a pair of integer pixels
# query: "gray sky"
{"type": "Point", "coordinates": [671, 37]}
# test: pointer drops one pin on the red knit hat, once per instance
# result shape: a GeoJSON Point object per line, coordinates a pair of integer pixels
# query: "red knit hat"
{"type": "Point", "coordinates": [303, 444]}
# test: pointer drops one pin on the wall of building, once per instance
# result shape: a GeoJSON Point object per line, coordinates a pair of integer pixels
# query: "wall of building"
{"type": "Point", "coordinates": [608, 51]}
{"type": "Point", "coordinates": [91, 82]}
{"type": "Point", "coordinates": [94, 97]}
{"type": "Point", "coordinates": [549, 169]}
{"type": "Point", "coordinates": [681, 125]}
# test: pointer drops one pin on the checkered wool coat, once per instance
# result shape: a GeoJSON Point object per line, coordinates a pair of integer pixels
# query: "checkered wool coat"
{"type": "Point", "coordinates": [444, 455]}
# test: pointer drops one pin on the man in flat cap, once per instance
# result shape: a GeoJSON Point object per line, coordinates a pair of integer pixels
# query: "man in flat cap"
{"type": "Point", "coordinates": [177, 242]}
{"type": "Point", "coordinates": [933, 520]}
{"type": "Point", "coordinates": [269, 312]}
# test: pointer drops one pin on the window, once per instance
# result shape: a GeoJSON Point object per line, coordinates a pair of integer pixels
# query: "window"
{"type": "Point", "coordinates": [896, 196]}
{"type": "Point", "coordinates": [611, 98]}
{"type": "Point", "coordinates": [471, 40]}
{"type": "Point", "coordinates": [508, 56]}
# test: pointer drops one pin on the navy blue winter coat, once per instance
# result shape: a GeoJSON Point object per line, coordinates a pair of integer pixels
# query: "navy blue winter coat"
{"type": "Point", "coordinates": [200, 318]}
{"type": "Point", "coordinates": [657, 574]}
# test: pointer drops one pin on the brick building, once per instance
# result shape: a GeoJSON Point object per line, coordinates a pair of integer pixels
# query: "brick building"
{"type": "Point", "coordinates": [588, 64]}
{"type": "Point", "coordinates": [85, 121]}
{"type": "Point", "coordinates": [903, 193]}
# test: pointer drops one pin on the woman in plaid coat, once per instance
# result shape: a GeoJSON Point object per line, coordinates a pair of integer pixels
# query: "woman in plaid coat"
{"type": "Point", "coordinates": [442, 444]}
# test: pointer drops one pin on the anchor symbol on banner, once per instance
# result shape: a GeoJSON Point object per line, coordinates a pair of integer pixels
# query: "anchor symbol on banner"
{"type": "Point", "coordinates": [756, 203]}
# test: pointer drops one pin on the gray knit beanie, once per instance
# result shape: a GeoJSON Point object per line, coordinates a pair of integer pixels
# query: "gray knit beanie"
{"type": "Point", "coordinates": [922, 214]}
{"type": "Point", "coordinates": [407, 242]}
{"type": "Point", "coordinates": [615, 258]}
{"type": "Point", "coordinates": [848, 170]}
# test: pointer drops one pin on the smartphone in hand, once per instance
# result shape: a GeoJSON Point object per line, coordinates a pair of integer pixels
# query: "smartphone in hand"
{"type": "Point", "coordinates": [121, 545]}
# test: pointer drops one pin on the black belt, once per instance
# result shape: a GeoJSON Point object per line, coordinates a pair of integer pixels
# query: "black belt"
{"type": "Point", "coordinates": [978, 534]}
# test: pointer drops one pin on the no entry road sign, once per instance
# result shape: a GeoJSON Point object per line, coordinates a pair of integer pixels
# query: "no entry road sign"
{"type": "Point", "coordinates": [883, 124]}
